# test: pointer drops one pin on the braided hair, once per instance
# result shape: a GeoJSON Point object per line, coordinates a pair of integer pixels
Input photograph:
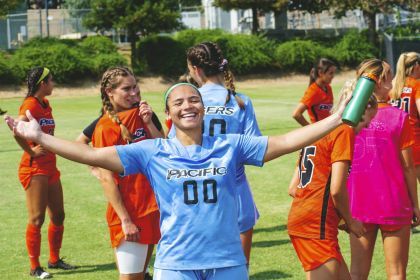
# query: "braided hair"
{"type": "Point", "coordinates": [32, 80]}
{"type": "Point", "coordinates": [209, 57]}
{"type": "Point", "coordinates": [111, 80]}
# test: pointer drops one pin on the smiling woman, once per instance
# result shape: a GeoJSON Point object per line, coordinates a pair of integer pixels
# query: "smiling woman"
{"type": "Point", "coordinates": [198, 207]}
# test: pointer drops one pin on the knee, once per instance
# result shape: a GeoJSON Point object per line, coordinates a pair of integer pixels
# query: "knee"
{"type": "Point", "coordinates": [58, 218]}
{"type": "Point", "coordinates": [37, 220]}
{"type": "Point", "coordinates": [397, 275]}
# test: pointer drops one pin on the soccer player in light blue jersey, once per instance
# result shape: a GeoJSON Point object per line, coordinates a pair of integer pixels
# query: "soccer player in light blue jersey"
{"type": "Point", "coordinates": [225, 112]}
{"type": "Point", "coordinates": [193, 177]}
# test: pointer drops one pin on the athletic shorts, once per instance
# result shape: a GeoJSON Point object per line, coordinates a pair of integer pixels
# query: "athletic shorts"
{"type": "Point", "coordinates": [313, 253]}
{"type": "Point", "coordinates": [224, 273]}
{"type": "Point", "coordinates": [131, 257]}
{"type": "Point", "coordinates": [371, 227]}
{"type": "Point", "coordinates": [247, 210]}
{"type": "Point", "coordinates": [416, 154]}
{"type": "Point", "coordinates": [26, 174]}
{"type": "Point", "coordinates": [148, 227]}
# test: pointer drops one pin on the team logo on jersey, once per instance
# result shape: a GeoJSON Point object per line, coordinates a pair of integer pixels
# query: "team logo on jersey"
{"type": "Point", "coordinates": [194, 173]}
{"type": "Point", "coordinates": [326, 107]}
{"type": "Point", "coordinates": [218, 110]}
{"type": "Point", "coordinates": [407, 90]}
{"type": "Point", "coordinates": [46, 122]}
{"type": "Point", "coordinates": [139, 133]}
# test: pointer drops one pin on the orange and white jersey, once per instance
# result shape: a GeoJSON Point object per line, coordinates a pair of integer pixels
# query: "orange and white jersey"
{"type": "Point", "coordinates": [313, 214]}
{"type": "Point", "coordinates": [407, 103]}
{"type": "Point", "coordinates": [318, 102]}
{"type": "Point", "coordinates": [42, 112]}
{"type": "Point", "coordinates": [135, 190]}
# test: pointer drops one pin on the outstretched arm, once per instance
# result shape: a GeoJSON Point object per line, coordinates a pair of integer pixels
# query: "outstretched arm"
{"type": "Point", "coordinates": [106, 158]}
{"type": "Point", "coordinates": [301, 137]}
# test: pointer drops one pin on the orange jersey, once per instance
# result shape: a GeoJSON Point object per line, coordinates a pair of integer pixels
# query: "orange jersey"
{"type": "Point", "coordinates": [318, 102]}
{"type": "Point", "coordinates": [313, 214]}
{"type": "Point", "coordinates": [407, 103]}
{"type": "Point", "coordinates": [135, 190]}
{"type": "Point", "coordinates": [43, 114]}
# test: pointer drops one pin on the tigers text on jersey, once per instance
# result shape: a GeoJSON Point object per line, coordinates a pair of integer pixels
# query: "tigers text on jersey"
{"type": "Point", "coordinates": [135, 190]}
{"type": "Point", "coordinates": [199, 218]}
{"type": "Point", "coordinates": [318, 102]}
{"type": "Point", "coordinates": [43, 114]}
{"type": "Point", "coordinates": [313, 214]}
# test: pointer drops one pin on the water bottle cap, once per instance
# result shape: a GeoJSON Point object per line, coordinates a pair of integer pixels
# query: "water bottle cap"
{"type": "Point", "coordinates": [370, 76]}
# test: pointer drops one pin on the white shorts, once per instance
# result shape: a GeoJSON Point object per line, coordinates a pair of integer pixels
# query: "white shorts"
{"type": "Point", "coordinates": [131, 257]}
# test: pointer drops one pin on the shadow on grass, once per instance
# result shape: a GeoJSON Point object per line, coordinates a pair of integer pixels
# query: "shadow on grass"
{"type": "Point", "coordinates": [271, 274]}
{"type": "Point", "coordinates": [85, 269]}
{"type": "Point", "coordinates": [271, 243]}
{"type": "Point", "coordinates": [270, 229]}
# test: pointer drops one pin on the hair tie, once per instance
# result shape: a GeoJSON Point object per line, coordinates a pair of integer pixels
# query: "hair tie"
{"type": "Point", "coordinates": [44, 74]}
{"type": "Point", "coordinates": [222, 65]}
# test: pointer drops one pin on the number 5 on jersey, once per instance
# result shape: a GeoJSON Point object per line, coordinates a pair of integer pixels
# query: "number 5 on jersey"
{"type": "Point", "coordinates": [306, 166]}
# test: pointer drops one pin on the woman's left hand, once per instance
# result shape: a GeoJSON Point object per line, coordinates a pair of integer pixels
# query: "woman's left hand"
{"type": "Point", "coordinates": [145, 112]}
{"type": "Point", "coordinates": [416, 217]}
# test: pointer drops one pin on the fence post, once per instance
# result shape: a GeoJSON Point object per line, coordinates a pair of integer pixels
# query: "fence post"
{"type": "Point", "coordinates": [9, 45]}
{"type": "Point", "coordinates": [389, 49]}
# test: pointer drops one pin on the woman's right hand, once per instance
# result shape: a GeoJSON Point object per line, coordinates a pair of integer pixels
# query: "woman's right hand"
{"type": "Point", "coordinates": [27, 130]}
{"type": "Point", "coordinates": [38, 151]}
{"type": "Point", "coordinates": [357, 228]}
{"type": "Point", "coordinates": [130, 230]}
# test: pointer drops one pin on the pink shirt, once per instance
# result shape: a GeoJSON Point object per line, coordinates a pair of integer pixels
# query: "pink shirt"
{"type": "Point", "coordinates": [377, 189]}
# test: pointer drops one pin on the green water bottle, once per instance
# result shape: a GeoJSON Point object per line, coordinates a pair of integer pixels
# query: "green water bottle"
{"type": "Point", "coordinates": [361, 94]}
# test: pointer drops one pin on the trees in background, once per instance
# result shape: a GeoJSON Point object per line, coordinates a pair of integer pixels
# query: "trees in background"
{"type": "Point", "coordinates": [7, 6]}
{"type": "Point", "coordinates": [138, 18]}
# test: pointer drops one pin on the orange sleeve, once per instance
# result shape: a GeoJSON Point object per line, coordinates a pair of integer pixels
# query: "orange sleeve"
{"type": "Point", "coordinates": [407, 135]}
{"type": "Point", "coordinates": [342, 144]}
{"type": "Point", "coordinates": [28, 104]}
{"type": "Point", "coordinates": [105, 134]}
{"type": "Point", "coordinates": [309, 97]}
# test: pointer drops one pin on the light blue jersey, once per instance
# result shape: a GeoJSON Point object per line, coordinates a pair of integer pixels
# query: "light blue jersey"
{"type": "Point", "coordinates": [221, 118]}
{"type": "Point", "coordinates": [196, 193]}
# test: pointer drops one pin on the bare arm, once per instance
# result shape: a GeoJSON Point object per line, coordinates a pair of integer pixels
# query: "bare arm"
{"type": "Point", "coordinates": [340, 197]}
{"type": "Point", "coordinates": [104, 157]}
{"type": "Point", "coordinates": [301, 137]}
{"type": "Point", "coordinates": [298, 114]}
{"type": "Point", "coordinates": [35, 151]}
{"type": "Point", "coordinates": [113, 196]}
{"type": "Point", "coordinates": [411, 181]}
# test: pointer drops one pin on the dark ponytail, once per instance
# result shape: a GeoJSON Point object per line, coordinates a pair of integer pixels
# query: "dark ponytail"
{"type": "Point", "coordinates": [322, 65]}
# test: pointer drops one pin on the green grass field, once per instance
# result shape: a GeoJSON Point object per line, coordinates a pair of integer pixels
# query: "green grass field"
{"type": "Point", "coordinates": [86, 242]}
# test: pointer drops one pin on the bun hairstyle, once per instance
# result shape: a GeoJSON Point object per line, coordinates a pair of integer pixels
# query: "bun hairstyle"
{"type": "Point", "coordinates": [405, 66]}
{"type": "Point", "coordinates": [34, 79]}
{"type": "Point", "coordinates": [209, 57]}
{"type": "Point", "coordinates": [111, 79]}
{"type": "Point", "coordinates": [322, 65]}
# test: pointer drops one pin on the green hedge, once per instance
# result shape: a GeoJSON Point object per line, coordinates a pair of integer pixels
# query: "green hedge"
{"type": "Point", "coordinates": [73, 60]}
{"type": "Point", "coordinates": [69, 60]}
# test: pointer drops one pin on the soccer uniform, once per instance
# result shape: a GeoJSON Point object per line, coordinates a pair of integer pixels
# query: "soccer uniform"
{"type": "Point", "coordinates": [221, 118]}
{"type": "Point", "coordinates": [407, 103]}
{"type": "Point", "coordinates": [318, 102]}
{"type": "Point", "coordinates": [377, 189]}
{"type": "Point", "coordinates": [313, 219]}
{"type": "Point", "coordinates": [195, 188]}
{"type": "Point", "coordinates": [45, 164]}
{"type": "Point", "coordinates": [135, 190]}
